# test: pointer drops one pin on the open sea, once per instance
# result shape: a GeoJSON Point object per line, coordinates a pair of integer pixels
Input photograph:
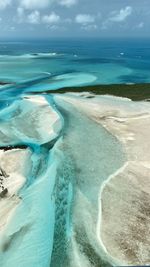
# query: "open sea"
{"type": "Point", "coordinates": [53, 64]}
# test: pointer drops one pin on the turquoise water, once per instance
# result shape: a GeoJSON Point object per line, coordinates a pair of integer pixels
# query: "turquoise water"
{"type": "Point", "coordinates": [64, 179]}
{"type": "Point", "coordinates": [93, 157]}
{"type": "Point", "coordinates": [55, 223]}
{"type": "Point", "coordinates": [54, 64]}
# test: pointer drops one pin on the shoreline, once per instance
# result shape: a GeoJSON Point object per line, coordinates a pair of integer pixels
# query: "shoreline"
{"type": "Point", "coordinates": [135, 92]}
{"type": "Point", "coordinates": [13, 163]}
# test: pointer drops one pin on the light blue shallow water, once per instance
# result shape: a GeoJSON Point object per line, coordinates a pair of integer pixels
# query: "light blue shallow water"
{"type": "Point", "coordinates": [54, 225]}
{"type": "Point", "coordinates": [57, 63]}
{"type": "Point", "coordinates": [40, 234]}
{"type": "Point", "coordinates": [93, 154]}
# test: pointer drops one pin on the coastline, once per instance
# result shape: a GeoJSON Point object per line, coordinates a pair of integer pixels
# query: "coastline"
{"type": "Point", "coordinates": [129, 122]}
{"type": "Point", "coordinates": [135, 92]}
{"type": "Point", "coordinates": [13, 162]}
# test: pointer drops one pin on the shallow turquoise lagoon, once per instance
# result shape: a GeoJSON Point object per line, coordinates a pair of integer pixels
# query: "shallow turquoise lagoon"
{"type": "Point", "coordinates": [60, 196]}
{"type": "Point", "coordinates": [55, 222]}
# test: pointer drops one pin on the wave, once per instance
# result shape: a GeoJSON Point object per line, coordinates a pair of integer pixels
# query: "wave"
{"type": "Point", "coordinates": [34, 55]}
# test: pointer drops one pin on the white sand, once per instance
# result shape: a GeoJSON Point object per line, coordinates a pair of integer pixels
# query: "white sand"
{"type": "Point", "coordinates": [123, 224]}
{"type": "Point", "coordinates": [13, 162]}
{"type": "Point", "coordinates": [43, 119]}
{"type": "Point", "coordinates": [40, 100]}
{"type": "Point", "coordinates": [30, 120]}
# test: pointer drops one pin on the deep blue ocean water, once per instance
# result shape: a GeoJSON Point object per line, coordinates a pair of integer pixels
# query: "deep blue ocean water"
{"type": "Point", "coordinates": [52, 64]}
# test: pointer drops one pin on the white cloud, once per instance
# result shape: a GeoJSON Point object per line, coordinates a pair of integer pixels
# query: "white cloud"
{"type": "Point", "coordinates": [117, 16]}
{"type": "Point", "coordinates": [140, 25]}
{"type": "Point", "coordinates": [4, 3]}
{"type": "Point", "coordinates": [12, 28]}
{"type": "Point", "coordinates": [39, 4]}
{"type": "Point", "coordinates": [20, 14]}
{"type": "Point", "coordinates": [34, 4]}
{"type": "Point", "coordinates": [34, 17]}
{"type": "Point", "coordinates": [20, 11]}
{"type": "Point", "coordinates": [67, 3]}
{"type": "Point", "coordinates": [121, 15]}
{"type": "Point", "coordinates": [53, 18]}
{"type": "Point", "coordinates": [84, 19]}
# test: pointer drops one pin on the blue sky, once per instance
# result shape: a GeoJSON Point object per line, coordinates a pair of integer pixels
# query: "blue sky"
{"type": "Point", "coordinates": [69, 18]}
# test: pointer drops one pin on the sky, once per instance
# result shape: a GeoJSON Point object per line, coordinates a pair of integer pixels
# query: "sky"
{"type": "Point", "coordinates": [74, 18]}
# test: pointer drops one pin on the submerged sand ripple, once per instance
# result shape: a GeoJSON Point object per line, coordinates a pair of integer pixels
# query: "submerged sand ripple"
{"type": "Point", "coordinates": [124, 200]}
{"type": "Point", "coordinates": [116, 228]}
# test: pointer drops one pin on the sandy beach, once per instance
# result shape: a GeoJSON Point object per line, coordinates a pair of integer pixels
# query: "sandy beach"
{"type": "Point", "coordinates": [123, 224]}
{"type": "Point", "coordinates": [13, 162]}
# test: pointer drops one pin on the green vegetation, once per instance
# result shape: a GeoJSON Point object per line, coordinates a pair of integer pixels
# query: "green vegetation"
{"type": "Point", "coordinates": [135, 92]}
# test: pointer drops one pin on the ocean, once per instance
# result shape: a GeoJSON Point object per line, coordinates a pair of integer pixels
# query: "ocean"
{"type": "Point", "coordinates": [53, 64]}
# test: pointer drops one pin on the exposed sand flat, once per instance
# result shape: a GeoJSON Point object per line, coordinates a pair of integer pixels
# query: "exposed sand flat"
{"type": "Point", "coordinates": [124, 216]}
{"type": "Point", "coordinates": [40, 100]}
{"type": "Point", "coordinates": [43, 117]}
{"type": "Point", "coordinates": [31, 119]}
{"type": "Point", "coordinates": [125, 228]}
{"type": "Point", "coordinates": [13, 162]}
